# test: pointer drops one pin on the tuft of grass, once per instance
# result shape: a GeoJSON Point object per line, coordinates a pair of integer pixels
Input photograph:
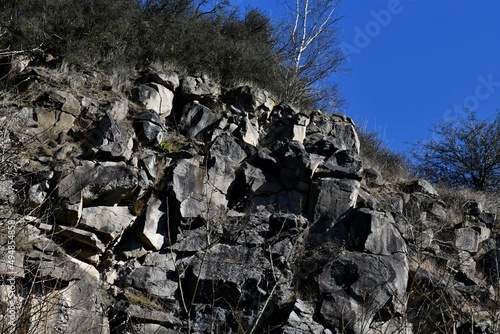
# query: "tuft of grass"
{"type": "Point", "coordinates": [143, 300]}
{"type": "Point", "coordinates": [167, 147]}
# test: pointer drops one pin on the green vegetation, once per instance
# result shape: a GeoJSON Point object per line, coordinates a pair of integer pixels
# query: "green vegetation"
{"type": "Point", "coordinates": [167, 147]}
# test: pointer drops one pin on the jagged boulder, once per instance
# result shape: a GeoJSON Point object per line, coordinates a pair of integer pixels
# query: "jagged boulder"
{"type": "Point", "coordinates": [54, 120]}
{"type": "Point", "coordinates": [466, 239]}
{"type": "Point", "coordinates": [81, 236]}
{"type": "Point", "coordinates": [154, 281]}
{"type": "Point", "coordinates": [203, 190]}
{"type": "Point", "coordinates": [330, 199]}
{"type": "Point", "coordinates": [105, 184]}
{"type": "Point", "coordinates": [37, 194]}
{"type": "Point", "coordinates": [197, 120]}
{"type": "Point", "coordinates": [229, 269]}
{"type": "Point", "coordinates": [420, 186]}
{"type": "Point", "coordinates": [66, 102]}
{"type": "Point", "coordinates": [149, 128]}
{"type": "Point", "coordinates": [198, 88]}
{"type": "Point", "coordinates": [225, 155]}
{"type": "Point", "coordinates": [327, 135]}
{"type": "Point", "coordinates": [249, 99]}
{"type": "Point", "coordinates": [155, 230]}
{"type": "Point", "coordinates": [155, 97]}
{"type": "Point", "coordinates": [108, 222]}
{"type": "Point", "coordinates": [301, 320]}
{"type": "Point", "coordinates": [248, 133]}
{"type": "Point", "coordinates": [357, 286]}
{"type": "Point", "coordinates": [188, 180]}
{"type": "Point", "coordinates": [119, 110]}
{"type": "Point", "coordinates": [109, 140]}
{"type": "Point", "coordinates": [168, 79]}
{"type": "Point", "coordinates": [368, 231]}
{"type": "Point", "coordinates": [151, 316]}
{"type": "Point", "coordinates": [342, 164]}
{"type": "Point", "coordinates": [286, 123]}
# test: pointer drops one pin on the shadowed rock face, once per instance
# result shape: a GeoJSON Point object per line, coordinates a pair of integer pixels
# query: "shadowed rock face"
{"type": "Point", "coordinates": [178, 209]}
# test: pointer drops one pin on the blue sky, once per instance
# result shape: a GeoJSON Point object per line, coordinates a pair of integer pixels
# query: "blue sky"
{"type": "Point", "coordinates": [414, 63]}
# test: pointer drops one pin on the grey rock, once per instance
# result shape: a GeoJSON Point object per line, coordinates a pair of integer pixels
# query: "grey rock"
{"type": "Point", "coordinates": [488, 218]}
{"type": "Point", "coordinates": [342, 164]}
{"type": "Point", "coordinates": [168, 79]}
{"type": "Point", "coordinates": [191, 240]}
{"type": "Point", "coordinates": [474, 208]}
{"type": "Point", "coordinates": [153, 328]}
{"type": "Point", "coordinates": [68, 103]}
{"type": "Point", "coordinates": [298, 133]}
{"type": "Point", "coordinates": [248, 133]}
{"type": "Point", "coordinates": [154, 97]}
{"type": "Point", "coordinates": [154, 281]}
{"type": "Point", "coordinates": [7, 193]}
{"type": "Point", "coordinates": [467, 266]}
{"type": "Point", "coordinates": [228, 266]}
{"type": "Point", "coordinates": [197, 120]}
{"type": "Point", "coordinates": [366, 200]}
{"type": "Point", "coordinates": [155, 230]}
{"type": "Point", "coordinates": [358, 285]}
{"type": "Point", "coordinates": [251, 186]}
{"type": "Point", "coordinates": [254, 180]}
{"type": "Point", "coordinates": [131, 248]}
{"type": "Point", "coordinates": [220, 320]}
{"type": "Point", "coordinates": [286, 124]}
{"type": "Point", "coordinates": [106, 184]}
{"type": "Point", "coordinates": [330, 198]}
{"type": "Point", "coordinates": [119, 110]}
{"type": "Point", "coordinates": [249, 99]}
{"type": "Point", "coordinates": [149, 127]}
{"type": "Point", "coordinates": [489, 264]}
{"type": "Point", "coordinates": [368, 231]}
{"type": "Point", "coordinates": [69, 214]}
{"type": "Point", "coordinates": [344, 134]}
{"type": "Point", "coordinates": [372, 177]}
{"type": "Point", "coordinates": [160, 260]}
{"type": "Point", "coordinates": [76, 308]}
{"type": "Point", "coordinates": [420, 186]}
{"type": "Point", "coordinates": [53, 119]}
{"type": "Point", "coordinates": [196, 88]}
{"type": "Point", "coordinates": [37, 194]}
{"type": "Point", "coordinates": [188, 180]}
{"type": "Point", "coordinates": [300, 320]}
{"type": "Point", "coordinates": [81, 236]}
{"type": "Point", "coordinates": [225, 155]}
{"type": "Point", "coordinates": [111, 139]}
{"type": "Point", "coordinates": [466, 239]}
{"type": "Point", "coordinates": [395, 325]}
{"type": "Point", "coordinates": [107, 221]}
{"type": "Point", "coordinates": [149, 162]}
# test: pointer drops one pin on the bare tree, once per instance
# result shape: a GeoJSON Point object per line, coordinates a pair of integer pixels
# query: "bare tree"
{"type": "Point", "coordinates": [463, 153]}
{"type": "Point", "coordinates": [310, 46]}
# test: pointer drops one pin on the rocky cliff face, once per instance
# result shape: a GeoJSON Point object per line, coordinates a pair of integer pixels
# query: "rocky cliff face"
{"type": "Point", "coordinates": [175, 205]}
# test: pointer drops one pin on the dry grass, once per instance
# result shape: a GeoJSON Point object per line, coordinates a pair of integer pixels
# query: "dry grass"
{"type": "Point", "coordinates": [142, 300]}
